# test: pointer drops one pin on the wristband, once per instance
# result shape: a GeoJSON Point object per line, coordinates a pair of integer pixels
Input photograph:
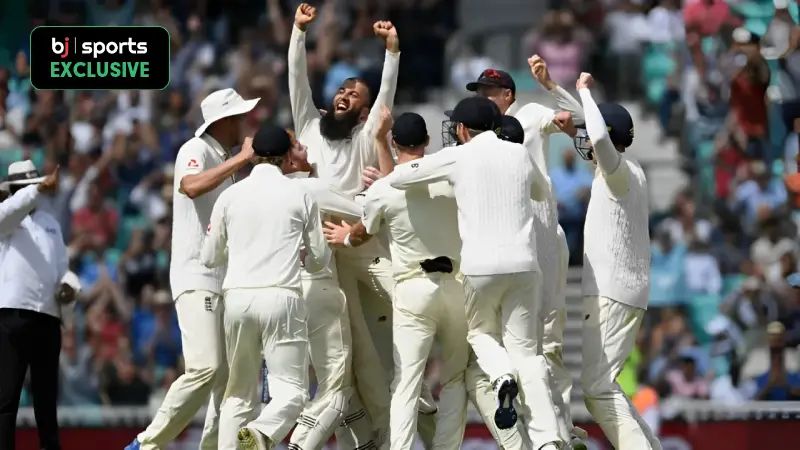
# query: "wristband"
{"type": "Point", "coordinates": [347, 242]}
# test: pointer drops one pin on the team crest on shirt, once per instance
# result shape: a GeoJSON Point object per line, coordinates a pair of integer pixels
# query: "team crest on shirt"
{"type": "Point", "coordinates": [193, 163]}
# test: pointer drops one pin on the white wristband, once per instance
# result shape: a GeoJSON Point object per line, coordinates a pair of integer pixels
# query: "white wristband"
{"type": "Point", "coordinates": [347, 242]}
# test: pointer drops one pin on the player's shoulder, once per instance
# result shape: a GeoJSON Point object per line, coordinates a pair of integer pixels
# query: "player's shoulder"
{"type": "Point", "coordinates": [193, 146]}
{"type": "Point", "coordinates": [532, 109]}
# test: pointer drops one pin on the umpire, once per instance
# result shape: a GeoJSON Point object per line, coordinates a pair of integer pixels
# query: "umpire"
{"type": "Point", "coordinates": [34, 282]}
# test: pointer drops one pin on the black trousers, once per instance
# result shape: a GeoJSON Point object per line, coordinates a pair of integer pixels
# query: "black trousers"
{"type": "Point", "coordinates": [29, 340]}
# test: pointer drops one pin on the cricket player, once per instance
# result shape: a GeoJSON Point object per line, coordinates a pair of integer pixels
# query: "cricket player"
{"type": "Point", "coordinates": [537, 123]}
{"type": "Point", "coordinates": [257, 228]}
{"type": "Point", "coordinates": [428, 302]}
{"type": "Point", "coordinates": [203, 170]}
{"type": "Point", "coordinates": [493, 181]}
{"type": "Point", "coordinates": [328, 332]}
{"type": "Point", "coordinates": [616, 268]}
{"type": "Point", "coordinates": [340, 148]}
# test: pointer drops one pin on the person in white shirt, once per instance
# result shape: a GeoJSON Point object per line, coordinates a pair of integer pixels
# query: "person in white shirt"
{"type": "Point", "coordinates": [616, 268]}
{"type": "Point", "coordinates": [203, 170]}
{"type": "Point", "coordinates": [257, 229]}
{"type": "Point", "coordinates": [340, 148]}
{"type": "Point", "coordinates": [493, 181]}
{"type": "Point", "coordinates": [33, 267]}
{"type": "Point", "coordinates": [428, 300]}
{"type": "Point", "coordinates": [537, 124]}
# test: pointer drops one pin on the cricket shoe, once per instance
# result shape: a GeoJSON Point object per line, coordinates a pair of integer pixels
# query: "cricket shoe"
{"type": "Point", "coordinates": [135, 445]}
{"type": "Point", "coordinates": [250, 439]}
{"type": "Point", "coordinates": [506, 388]}
{"type": "Point", "coordinates": [578, 439]}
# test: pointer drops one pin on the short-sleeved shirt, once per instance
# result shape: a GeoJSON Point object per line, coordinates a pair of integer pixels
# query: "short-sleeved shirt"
{"type": "Point", "coordinates": [422, 222]}
{"type": "Point", "coordinates": [782, 393]}
{"type": "Point", "coordinates": [190, 218]}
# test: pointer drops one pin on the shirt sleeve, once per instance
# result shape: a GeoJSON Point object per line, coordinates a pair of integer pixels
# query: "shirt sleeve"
{"type": "Point", "coordinates": [318, 254]}
{"type": "Point", "coordinates": [615, 171]}
{"type": "Point", "coordinates": [372, 216]}
{"type": "Point", "coordinates": [331, 201]}
{"type": "Point", "coordinates": [540, 186]}
{"type": "Point", "coordinates": [214, 249]}
{"type": "Point", "coordinates": [191, 160]}
{"type": "Point", "coordinates": [537, 122]}
{"type": "Point", "coordinates": [300, 95]}
{"type": "Point", "coordinates": [566, 102]}
{"type": "Point", "coordinates": [385, 97]}
{"type": "Point", "coordinates": [437, 167]}
{"type": "Point", "coordinates": [15, 208]}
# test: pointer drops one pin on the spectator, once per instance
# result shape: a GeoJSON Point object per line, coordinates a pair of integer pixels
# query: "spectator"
{"type": "Point", "coordinates": [665, 23]}
{"type": "Point", "coordinates": [683, 225]}
{"type": "Point", "coordinates": [627, 28]}
{"type": "Point", "coordinates": [685, 381]}
{"type": "Point", "coordinates": [777, 384]}
{"type": "Point", "coordinates": [751, 307]}
{"type": "Point", "coordinates": [572, 185]}
{"type": "Point", "coordinates": [121, 382]}
{"type": "Point", "coordinates": [758, 197]}
{"type": "Point", "coordinates": [94, 227]}
{"type": "Point", "coordinates": [79, 382]}
{"type": "Point", "coordinates": [771, 245]}
{"type": "Point", "coordinates": [667, 278]}
{"type": "Point", "coordinates": [729, 253]}
{"type": "Point", "coordinates": [702, 271]}
{"type": "Point", "coordinates": [562, 44]}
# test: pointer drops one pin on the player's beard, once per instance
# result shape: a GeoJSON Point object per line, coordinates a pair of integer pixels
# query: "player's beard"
{"type": "Point", "coordinates": [335, 128]}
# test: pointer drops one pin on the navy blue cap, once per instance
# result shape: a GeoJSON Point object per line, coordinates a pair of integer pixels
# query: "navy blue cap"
{"type": "Point", "coordinates": [271, 140]}
{"type": "Point", "coordinates": [511, 130]}
{"type": "Point", "coordinates": [493, 77]}
{"type": "Point", "coordinates": [477, 113]}
{"type": "Point", "coordinates": [409, 130]}
{"type": "Point", "coordinates": [619, 123]}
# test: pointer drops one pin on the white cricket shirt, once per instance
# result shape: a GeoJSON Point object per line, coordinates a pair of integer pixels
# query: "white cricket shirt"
{"type": "Point", "coordinates": [259, 226]}
{"type": "Point", "coordinates": [494, 181]}
{"type": "Point", "coordinates": [422, 222]}
{"type": "Point", "coordinates": [340, 162]}
{"type": "Point", "coordinates": [190, 218]}
{"type": "Point", "coordinates": [616, 254]}
{"type": "Point", "coordinates": [33, 257]}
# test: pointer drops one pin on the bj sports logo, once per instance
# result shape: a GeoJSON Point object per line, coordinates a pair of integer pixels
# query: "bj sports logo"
{"type": "Point", "coordinates": [100, 57]}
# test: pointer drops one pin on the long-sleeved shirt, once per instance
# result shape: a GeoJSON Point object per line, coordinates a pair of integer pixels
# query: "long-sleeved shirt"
{"type": "Point", "coordinates": [258, 226]}
{"type": "Point", "coordinates": [190, 218]}
{"type": "Point", "coordinates": [33, 257]}
{"type": "Point", "coordinates": [422, 223]}
{"type": "Point", "coordinates": [493, 181]}
{"type": "Point", "coordinates": [537, 122]}
{"type": "Point", "coordinates": [616, 255]}
{"type": "Point", "coordinates": [340, 162]}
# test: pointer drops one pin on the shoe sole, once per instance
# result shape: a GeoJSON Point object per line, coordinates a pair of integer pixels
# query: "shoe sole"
{"type": "Point", "coordinates": [247, 440]}
{"type": "Point", "coordinates": [579, 446]}
{"type": "Point", "coordinates": [506, 416]}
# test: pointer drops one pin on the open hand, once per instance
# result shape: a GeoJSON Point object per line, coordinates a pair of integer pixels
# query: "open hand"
{"type": "Point", "coordinates": [388, 33]}
{"type": "Point", "coordinates": [336, 234]}
{"type": "Point", "coordinates": [370, 175]}
{"type": "Point", "coordinates": [304, 15]}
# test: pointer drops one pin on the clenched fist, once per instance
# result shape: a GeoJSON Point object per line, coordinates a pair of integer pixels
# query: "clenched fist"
{"type": "Point", "coordinates": [386, 31]}
{"type": "Point", "coordinates": [584, 81]}
{"type": "Point", "coordinates": [305, 15]}
{"type": "Point", "coordinates": [540, 73]}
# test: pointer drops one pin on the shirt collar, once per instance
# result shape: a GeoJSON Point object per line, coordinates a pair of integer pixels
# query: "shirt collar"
{"type": "Point", "coordinates": [485, 136]}
{"type": "Point", "coordinates": [213, 143]}
{"type": "Point", "coordinates": [267, 170]}
{"type": "Point", "coordinates": [512, 109]}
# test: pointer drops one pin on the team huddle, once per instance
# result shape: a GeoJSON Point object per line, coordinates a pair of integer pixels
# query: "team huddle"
{"type": "Point", "coordinates": [348, 250]}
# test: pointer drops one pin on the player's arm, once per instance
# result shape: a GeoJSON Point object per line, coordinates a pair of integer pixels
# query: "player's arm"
{"type": "Point", "coordinates": [615, 173]}
{"type": "Point", "coordinates": [540, 186]}
{"type": "Point", "coordinates": [213, 252]}
{"type": "Point", "coordinates": [194, 181]}
{"type": "Point", "coordinates": [565, 101]}
{"type": "Point", "coordinates": [385, 159]}
{"type": "Point", "coordinates": [300, 96]}
{"type": "Point", "coordinates": [391, 65]}
{"type": "Point", "coordinates": [331, 201]}
{"type": "Point", "coordinates": [430, 169]}
{"type": "Point", "coordinates": [318, 255]}
{"type": "Point", "coordinates": [14, 209]}
{"type": "Point", "coordinates": [347, 235]}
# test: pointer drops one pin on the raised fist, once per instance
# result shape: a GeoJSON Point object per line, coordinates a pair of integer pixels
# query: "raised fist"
{"type": "Point", "coordinates": [540, 72]}
{"type": "Point", "coordinates": [305, 15]}
{"type": "Point", "coordinates": [386, 31]}
{"type": "Point", "coordinates": [584, 81]}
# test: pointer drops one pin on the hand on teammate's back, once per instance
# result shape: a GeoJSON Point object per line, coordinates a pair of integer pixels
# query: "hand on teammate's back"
{"type": "Point", "coordinates": [584, 81]}
{"type": "Point", "coordinates": [385, 30]}
{"type": "Point", "coordinates": [305, 15]}
{"type": "Point", "coordinates": [370, 175]}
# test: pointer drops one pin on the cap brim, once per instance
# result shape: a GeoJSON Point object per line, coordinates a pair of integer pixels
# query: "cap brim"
{"type": "Point", "coordinates": [25, 182]}
{"type": "Point", "coordinates": [473, 86]}
{"type": "Point", "coordinates": [242, 108]}
{"type": "Point", "coordinates": [449, 113]}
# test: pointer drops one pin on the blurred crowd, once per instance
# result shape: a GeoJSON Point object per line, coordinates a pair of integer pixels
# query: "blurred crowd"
{"type": "Point", "coordinates": [722, 77]}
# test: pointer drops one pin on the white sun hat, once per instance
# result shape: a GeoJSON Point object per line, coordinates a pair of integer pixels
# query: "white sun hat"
{"type": "Point", "coordinates": [223, 103]}
{"type": "Point", "coordinates": [22, 173]}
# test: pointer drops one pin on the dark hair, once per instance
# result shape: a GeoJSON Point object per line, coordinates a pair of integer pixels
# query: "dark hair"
{"type": "Point", "coordinates": [355, 80]}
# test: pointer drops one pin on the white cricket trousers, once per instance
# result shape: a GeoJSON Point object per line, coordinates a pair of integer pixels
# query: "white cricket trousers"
{"type": "Point", "coordinates": [425, 308]}
{"type": "Point", "coordinates": [499, 310]}
{"type": "Point", "coordinates": [330, 351]}
{"type": "Point", "coordinates": [554, 316]}
{"type": "Point", "coordinates": [268, 323]}
{"type": "Point", "coordinates": [203, 381]}
{"type": "Point", "coordinates": [609, 334]}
